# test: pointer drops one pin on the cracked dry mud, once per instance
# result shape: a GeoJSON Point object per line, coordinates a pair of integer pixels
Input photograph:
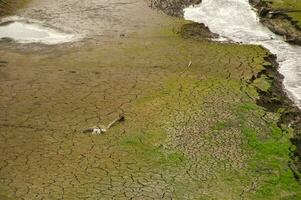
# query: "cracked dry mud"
{"type": "Point", "coordinates": [188, 131]}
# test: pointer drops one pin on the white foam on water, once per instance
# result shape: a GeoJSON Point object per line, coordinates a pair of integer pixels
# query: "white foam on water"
{"type": "Point", "coordinates": [235, 19]}
{"type": "Point", "coordinates": [30, 31]}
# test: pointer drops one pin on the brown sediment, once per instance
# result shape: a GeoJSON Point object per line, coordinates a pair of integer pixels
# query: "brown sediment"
{"type": "Point", "coordinates": [8, 7]}
{"type": "Point", "coordinates": [278, 21]}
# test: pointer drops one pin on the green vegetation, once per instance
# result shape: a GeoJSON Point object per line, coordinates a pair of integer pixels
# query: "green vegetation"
{"type": "Point", "coordinates": [293, 8]}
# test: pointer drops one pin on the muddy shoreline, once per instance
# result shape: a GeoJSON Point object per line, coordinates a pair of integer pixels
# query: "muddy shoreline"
{"type": "Point", "coordinates": [274, 100]}
{"type": "Point", "coordinates": [278, 22]}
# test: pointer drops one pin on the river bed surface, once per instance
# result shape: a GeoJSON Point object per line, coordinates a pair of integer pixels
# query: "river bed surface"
{"type": "Point", "coordinates": [184, 134]}
{"type": "Point", "coordinates": [235, 20]}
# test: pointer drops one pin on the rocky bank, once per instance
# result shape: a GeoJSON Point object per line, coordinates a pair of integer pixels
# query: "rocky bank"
{"type": "Point", "coordinates": [278, 21]}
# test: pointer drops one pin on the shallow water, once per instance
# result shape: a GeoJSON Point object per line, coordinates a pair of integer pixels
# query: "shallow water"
{"type": "Point", "coordinates": [24, 31]}
{"type": "Point", "coordinates": [235, 20]}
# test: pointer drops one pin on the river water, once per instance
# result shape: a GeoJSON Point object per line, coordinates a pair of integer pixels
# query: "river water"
{"type": "Point", "coordinates": [235, 20]}
{"type": "Point", "coordinates": [31, 31]}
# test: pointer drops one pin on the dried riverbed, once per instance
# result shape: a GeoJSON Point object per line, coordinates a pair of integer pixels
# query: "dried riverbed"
{"type": "Point", "coordinates": [189, 132]}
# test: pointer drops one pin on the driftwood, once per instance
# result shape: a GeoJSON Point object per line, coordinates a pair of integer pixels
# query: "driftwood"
{"type": "Point", "coordinates": [189, 64]}
{"type": "Point", "coordinates": [102, 129]}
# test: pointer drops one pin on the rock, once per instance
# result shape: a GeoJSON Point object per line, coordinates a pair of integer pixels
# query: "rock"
{"type": "Point", "coordinates": [6, 39]}
{"type": "Point", "coordinates": [278, 21]}
{"type": "Point", "coordinates": [197, 31]}
{"type": "Point", "coordinates": [172, 7]}
{"type": "Point", "coordinates": [263, 11]}
{"type": "Point", "coordinates": [293, 40]}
